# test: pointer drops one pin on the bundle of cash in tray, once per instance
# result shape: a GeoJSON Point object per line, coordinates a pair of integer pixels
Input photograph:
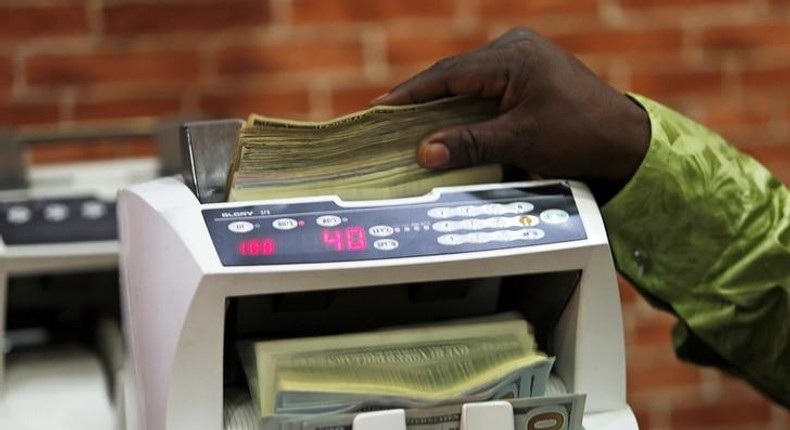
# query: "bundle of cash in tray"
{"type": "Point", "coordinates": [322, 382]}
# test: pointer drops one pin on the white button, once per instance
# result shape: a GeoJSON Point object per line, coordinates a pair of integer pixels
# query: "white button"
{"type": "Point", "coordinates": [93, 210]}
{"type": "Point", "coordinates": [285, 223]}
{"type": "Point", "coordinates": [449, 239]}
{"type": "Point", "coordinates": [554, 216]}
{"type": "Point", "coordinates": [56, 212]}
{"type": "Point", "coordinates": [473, 238]}
{"type": "Point", "coordinates": [471, 224]}
{"type": "Point", "coordinates": [385, 244]}
{"type": "Point", "coordinates": [18, 214]}
{"type": "Point", "coordinates": [381, 231]}
{"type": "Point", "coordinates": [240, 226]}
{"type": "Point", "coordinates": [443, 226]}
{"type": "Point", "coordinates": [493, 209]}
{"type": "Point", "coordinates": [532, 234]}
{"type": "Point", "coordinates": [328, 220]}
{"type": "Point", "coordinates": [468, 210]}
{"type": "Point", "coordinates": [440, 213]}
{"type": "Point", "coordinates": [522, 207]}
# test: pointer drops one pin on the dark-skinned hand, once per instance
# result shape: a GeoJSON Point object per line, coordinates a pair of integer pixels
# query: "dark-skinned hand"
{"type": "Point", "coordinates": [557, 118]}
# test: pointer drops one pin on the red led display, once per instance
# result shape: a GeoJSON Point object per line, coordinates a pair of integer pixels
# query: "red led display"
{"type": "Point", "coordinates": [257, 246]}
{"type": "Point", "coordinates": [351, 238]}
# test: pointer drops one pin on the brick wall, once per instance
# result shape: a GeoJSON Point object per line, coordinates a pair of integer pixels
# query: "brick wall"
{"type": "Point", "coordinates": [723, 62]}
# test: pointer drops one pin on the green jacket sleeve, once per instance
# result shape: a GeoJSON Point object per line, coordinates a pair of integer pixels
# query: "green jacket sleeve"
{"type": "Point", "coordinates": [704, 232]}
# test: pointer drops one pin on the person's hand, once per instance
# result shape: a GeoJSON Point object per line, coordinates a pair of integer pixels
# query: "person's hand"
{"type": "Point", "coordinates": [558, 119]}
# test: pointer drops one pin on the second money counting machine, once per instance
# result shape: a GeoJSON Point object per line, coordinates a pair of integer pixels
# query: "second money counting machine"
{"type": "Point", "coordinates": [59, 292]}
{"type": "Point", "coordinates": [198, 274]}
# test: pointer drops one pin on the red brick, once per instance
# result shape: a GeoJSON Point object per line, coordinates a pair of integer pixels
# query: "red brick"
{"type": "Point", "coordinates": [643, 419]}
{"type": "Point", "coordinates": [127, 108]}
{"type": "Point", "coordinates": [290, 57]}
{"type": "Point", "coordinates": [102, 149]}
{"type": "Point", "coordinates": [652, 333]}
{"type": "Point", "coordinates": [769, 78]}
{"type": "Point", "coordinates": [408, 50]}
{"type": "Point", "coordinates": [628, 293]}
{"type": "Point", "coordinates": [6, 75]}
{"type": "Point", "coordinates": [662, 376]}
{"type": "Point", "coordinates": [775, 158]}
{"type": "Point", "coordinates": [740, 38]}
{"type": "Point", "coordinates": [507, 9]}
{"type": "Point", "coordinates": [293, 105]}
{"type": "Point", "coordinates": [352, 100]}
{"type": "Point", "coordinates": [25, 113]}
{"type": "Point", "coordinates": [178, 68]}
{"type": "Point", "coordinates": [129, 19]}
{"type": "Point", "coordinates": [322, 12]}
{"type": "Point", "coordinates": [621, 41]}
{"type": "Point", "coordinates": [20, 22]}
{"type": "Point", "coordinates": [681, 4]}
{"type": "Point", "coordinates": [729, 111]}
{"type": "Point", "coordinates": [662, 84]}
{"type": "Point", "coordinates": [728, 414]}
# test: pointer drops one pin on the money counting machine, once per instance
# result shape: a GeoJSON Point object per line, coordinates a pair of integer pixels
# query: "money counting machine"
{"type": "Point", "coordinates": [198, 274]}
{"type": "Point", "coordinates": [59, 297]}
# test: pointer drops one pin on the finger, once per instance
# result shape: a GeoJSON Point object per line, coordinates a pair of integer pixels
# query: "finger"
{"type": "Point", "coordinates": [500, 140]}
{"type": "Point", "coordinates": [474, 73]}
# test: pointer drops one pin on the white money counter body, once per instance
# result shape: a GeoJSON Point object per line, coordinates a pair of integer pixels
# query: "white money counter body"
{"type": "Point", "coordinates": [198, 276]}
{"type": "Point", "coordinates": [59, 296]}
{"type": "Point", "coordinates": [59, 291]}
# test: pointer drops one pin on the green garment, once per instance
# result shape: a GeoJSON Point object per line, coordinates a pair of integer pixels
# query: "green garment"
{"type": "Point", "coordinates": [704, 232]}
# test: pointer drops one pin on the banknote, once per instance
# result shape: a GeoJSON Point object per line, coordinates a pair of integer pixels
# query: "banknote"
{"type": "Point", "coordinates": [364, 155]}
{"type": "Point", "coordinates": [550, 413]}
{"type": "Point", "coordinates": [527, 381]}
{"type": "Point", "coordinates": [423, 365]}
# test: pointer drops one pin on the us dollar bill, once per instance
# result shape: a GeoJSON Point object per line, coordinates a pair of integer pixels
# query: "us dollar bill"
{"type": "Point", "coordinates": [364, 155]}
{"type": "Point", "coordinates": [545, 413]}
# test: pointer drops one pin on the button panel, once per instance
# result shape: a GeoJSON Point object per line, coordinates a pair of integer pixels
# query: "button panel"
{"type": "Point", "coordinates": [57, 220]}
{"type": "Point", "coordinates": [456, 221]}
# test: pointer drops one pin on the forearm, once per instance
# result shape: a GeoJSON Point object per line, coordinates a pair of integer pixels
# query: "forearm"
{"type": "Point", "coordinates": [705, 231]}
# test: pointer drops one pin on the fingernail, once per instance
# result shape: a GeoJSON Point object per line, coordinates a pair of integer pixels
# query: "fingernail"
{"type": "Point", "coordinates": [379, 98]}
{"type": "Point", "coordinates": [434, 154]}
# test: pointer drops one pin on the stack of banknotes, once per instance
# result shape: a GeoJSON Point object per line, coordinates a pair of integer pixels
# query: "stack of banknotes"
{"type": "Point", "coordinates": [322, 382]}
{"type": "Point", "coordinates": [361, 156]}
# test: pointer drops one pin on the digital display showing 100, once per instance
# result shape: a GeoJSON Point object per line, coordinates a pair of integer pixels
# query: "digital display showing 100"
{"type": "Point", "coordinates": [351, 238]}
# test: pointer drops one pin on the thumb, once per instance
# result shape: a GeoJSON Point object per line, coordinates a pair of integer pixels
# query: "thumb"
{"type": "Point", "coordinates": [493, 141]}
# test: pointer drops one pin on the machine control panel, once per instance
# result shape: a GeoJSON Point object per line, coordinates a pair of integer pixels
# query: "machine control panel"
{"type": "Point", "coordinates": [452, 222]}
{"type": "Point", "coordinates": [57, 220]}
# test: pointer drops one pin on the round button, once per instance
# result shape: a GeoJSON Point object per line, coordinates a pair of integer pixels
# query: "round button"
{"type": "Point", "coordinates": [18, 214]}
{"type": "Point", "coordinates": [522, 207]}
{"type": "Point", "coordinates": [93, 210]}
{"type": "Point", "coordinates": [493, 209]}
{"type": "Point", "coordinates": [381, 231]}
{"type": "Point", "coordinates": [449, 239]}
{"type": "Point", "coordinates": [468, 210]}
{"type": "Point", "coordinates": [285, 223]}
{"type": "Point", "coordinates": [328, 220]}
{"type": "Point", "coordinates": [440, 213]}
{"type": "Point", "coordinates": [443, 226]}
{"type": "Point", "coordinates": [240, 226]}
{"type": "Point", "coordinates": [385, 244]}
{"type": "Point", "coordinates": [532, 234]}
{"type": "Point", "coordinates": [480, 237]}
{"type": "Point", "coordinates": [554, 216]}
{"type": "Point", "coordinates": [56, 212]}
